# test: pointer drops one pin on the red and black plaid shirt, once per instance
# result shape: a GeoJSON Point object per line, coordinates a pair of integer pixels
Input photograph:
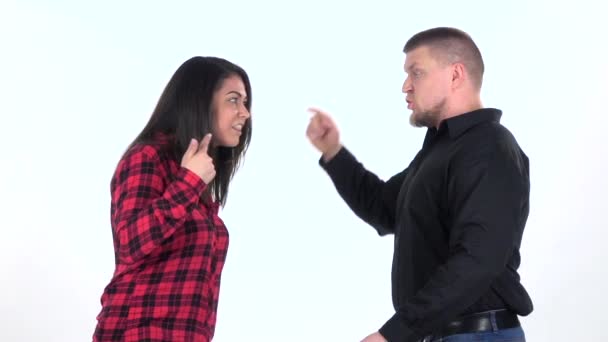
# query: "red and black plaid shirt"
{"type": "Point", "coordinates": [170, 247]}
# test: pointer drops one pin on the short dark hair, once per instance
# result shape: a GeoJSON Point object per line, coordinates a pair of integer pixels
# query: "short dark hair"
{"type": "Point", "coordinates": [450, 45]}
{"type": "Point", "coordinates": [184, 111]}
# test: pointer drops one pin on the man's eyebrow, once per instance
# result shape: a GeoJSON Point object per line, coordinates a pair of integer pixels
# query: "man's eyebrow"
{"type": "Point", "coordinates": [411, 66]}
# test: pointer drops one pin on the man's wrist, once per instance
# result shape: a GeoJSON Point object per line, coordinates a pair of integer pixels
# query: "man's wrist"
{"type": "Point", "coordinates": [329, 155]}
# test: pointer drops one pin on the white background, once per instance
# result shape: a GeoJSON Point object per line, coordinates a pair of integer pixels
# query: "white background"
{"type": "Point", "coordinates": [79, 80]}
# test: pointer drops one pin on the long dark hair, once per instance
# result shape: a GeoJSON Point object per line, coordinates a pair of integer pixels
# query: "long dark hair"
{"type": "Point", "coordinates": [184, 111]}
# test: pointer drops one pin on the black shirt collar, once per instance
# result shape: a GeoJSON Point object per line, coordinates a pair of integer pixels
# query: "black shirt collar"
{"type": "Point", "coordinates": [457, 125]}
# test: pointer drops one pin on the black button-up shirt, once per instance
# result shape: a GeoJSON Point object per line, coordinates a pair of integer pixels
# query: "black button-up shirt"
{"type": "Point", "coordinates": [457, 213]}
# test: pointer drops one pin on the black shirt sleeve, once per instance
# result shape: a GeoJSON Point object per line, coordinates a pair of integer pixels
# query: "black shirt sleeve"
{"type": "Point", "coordinates": [370, 198]}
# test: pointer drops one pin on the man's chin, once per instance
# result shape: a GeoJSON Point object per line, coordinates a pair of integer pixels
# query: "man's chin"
{"type": "Point", "coordinates": [423, 119]}
{"type": "Point", "coordinates": [415, 120]}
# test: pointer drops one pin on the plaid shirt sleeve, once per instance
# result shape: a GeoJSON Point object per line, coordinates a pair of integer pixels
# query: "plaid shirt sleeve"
{"type": "Point", "coordinates": [148, 209]}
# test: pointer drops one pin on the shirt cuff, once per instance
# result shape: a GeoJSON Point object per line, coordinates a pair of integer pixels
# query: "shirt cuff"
{"type": "Point", "coordinates": [192, 181]}
{"type": "Point", "coordinates": [335, 162]}
{"type": "Point", "coordinates": [395, 330]}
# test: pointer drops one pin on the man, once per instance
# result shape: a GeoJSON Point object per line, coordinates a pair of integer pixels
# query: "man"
{"type": "Point", "coordinates": [458, 210]}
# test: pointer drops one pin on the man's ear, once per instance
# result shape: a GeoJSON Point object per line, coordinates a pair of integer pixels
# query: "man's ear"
{"type": "Point", "coordinates": [459, 75]}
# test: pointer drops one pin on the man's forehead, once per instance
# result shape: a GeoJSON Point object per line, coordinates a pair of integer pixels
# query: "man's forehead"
{"type": "Point", "coordinates": [416, 56]}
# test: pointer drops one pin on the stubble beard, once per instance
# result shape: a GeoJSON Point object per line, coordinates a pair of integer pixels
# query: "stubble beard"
{"type": "Point", "coordinates": [428, 118]}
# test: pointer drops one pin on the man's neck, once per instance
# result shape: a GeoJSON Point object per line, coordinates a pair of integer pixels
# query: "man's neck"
{"type": "Point", "coordinates": [460, 108]}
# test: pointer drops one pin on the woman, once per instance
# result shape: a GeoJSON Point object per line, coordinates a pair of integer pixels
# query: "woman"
{"type": "Point", "coordinates": [169, 243]}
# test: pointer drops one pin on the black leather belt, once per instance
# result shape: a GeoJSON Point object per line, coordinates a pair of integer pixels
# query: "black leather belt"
{"type": "Point", "coordinates": [479, 322]}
